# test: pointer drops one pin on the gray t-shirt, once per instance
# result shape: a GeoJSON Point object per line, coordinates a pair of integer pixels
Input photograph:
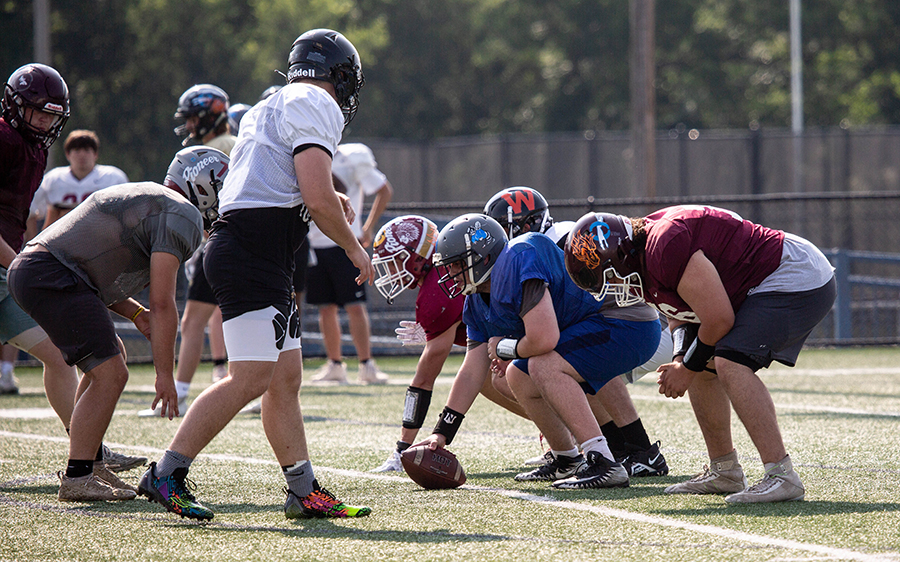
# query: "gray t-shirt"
{"type": "Point", "coordinates": [108, 239]}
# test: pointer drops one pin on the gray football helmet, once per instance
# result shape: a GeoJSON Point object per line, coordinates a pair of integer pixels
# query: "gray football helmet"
{"type": "Point", "coordinates": [472, 243]}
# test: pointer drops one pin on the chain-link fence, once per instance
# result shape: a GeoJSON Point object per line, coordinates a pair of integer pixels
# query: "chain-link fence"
{"type": "Point", "coordinates": [839, 188]}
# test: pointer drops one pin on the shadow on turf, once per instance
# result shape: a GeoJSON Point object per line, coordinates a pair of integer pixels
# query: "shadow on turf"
{"type": "Point", "coordinates": [781, 509]}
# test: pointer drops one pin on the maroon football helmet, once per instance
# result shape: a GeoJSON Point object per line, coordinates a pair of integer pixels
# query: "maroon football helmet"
{"type": "Point", "coordinates": [36, 87]}
{"type": "Point", "coordinates": [402, 254]}
{"type": "Point", "coordinates": [601, 258]}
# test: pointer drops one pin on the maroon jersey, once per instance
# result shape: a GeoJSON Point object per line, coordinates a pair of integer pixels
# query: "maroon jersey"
{"type": "Point", "coordinates": [21, 170]}
{"type": "Point", "coordinates": [436, 312]}
{"type": "Point", "coordinates": [743, 253]}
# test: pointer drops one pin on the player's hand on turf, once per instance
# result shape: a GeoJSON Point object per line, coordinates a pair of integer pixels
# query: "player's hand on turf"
{"type": "Point", "coordinates": [166, 395]}
{"type": "Point", "coordinates": [674, 379]}
{"type": "Point", "coordinates": [410, 333]}
{"type": "Point", "coordinates": [433, 441]}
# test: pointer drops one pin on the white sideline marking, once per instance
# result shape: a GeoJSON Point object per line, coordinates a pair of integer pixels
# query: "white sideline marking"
{"type": "Point", "coordinates": [840, 553]}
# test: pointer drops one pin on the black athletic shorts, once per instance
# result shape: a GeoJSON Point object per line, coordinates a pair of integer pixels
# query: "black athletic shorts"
{"type": "Point", "coordinates": [66, 307]}
{"type": "Point", "coordinates": [249, 259]}
{"type": "Point", "coordinates": [198, 286]}
{"type": "Point", "coordinates": [301, 264]}
{"type": "Point", "coordinates": [332, 280]}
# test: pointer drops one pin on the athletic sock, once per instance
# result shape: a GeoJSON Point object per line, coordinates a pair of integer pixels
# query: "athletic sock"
{"type": "Point", "coordinates": [636, 435]}
{"type": "Point", "coordinates": [79, 467]}
{"type": "Point", "coordinates": [170, 462]}
{"type": "Point", "coordinates": [182, 388]}
{"type": "Point", "coordinates": [571, 453]}
{"type": "Point", "coordinates": [402, 446]}
{"type": "Point", "coordinates": [300, 478]}
{"type": "Point", "coordinates": [614, 436]}
{"type": "Point", "coordinates": [599, 445]}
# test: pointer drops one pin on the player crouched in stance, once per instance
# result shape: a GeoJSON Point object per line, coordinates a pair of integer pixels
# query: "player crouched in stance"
{"type": "Point", "coordinates": [521, 210]}
{"type": "Point", "coordinates": [522, 306]}
{"type": "Point", "coordinates": [92, 260]}
{"type": "Point", "coordinates": [403, 250]}
{"type": "Point", "coordinates": [737, 294]}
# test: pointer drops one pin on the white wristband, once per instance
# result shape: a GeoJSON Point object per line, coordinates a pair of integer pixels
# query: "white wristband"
{"type": "Point", "coordinates": [506, 349]}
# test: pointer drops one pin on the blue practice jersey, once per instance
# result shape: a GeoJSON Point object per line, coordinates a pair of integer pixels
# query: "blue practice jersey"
{"type": "Point", "coordinates": [531, 256]}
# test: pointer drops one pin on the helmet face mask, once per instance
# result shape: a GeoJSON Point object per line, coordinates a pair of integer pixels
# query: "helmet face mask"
{"type": "Point", "coordinates": [31, 88]}
{"type": "Point", "coordinates": [323, 54]}
{"type": "Point", "coordinates": [198, 172]}
{"type": "Point", "coordinates": [600, 258]}
{"type": "Point", "coordinates": [467, 249]}
{"type": "Point", "coordinates": [519, 210]}
{"type": "Point", "coordinates": [208, 103]}
{"type": "Point", "coordinates": [402, 254]}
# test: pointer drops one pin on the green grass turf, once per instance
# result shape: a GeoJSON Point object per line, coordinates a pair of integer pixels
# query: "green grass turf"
{"type": "Point", "coordinates": [839, 412]}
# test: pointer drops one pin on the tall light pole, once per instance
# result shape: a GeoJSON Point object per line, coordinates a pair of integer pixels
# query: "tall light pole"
{"type": "Point", "coordinates": [796, 93]}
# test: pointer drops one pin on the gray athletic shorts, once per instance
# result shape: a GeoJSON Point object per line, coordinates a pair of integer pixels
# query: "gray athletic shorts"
{"type": "Point", "coordinates": [71, 313]}
{"type": "Point", "coordinates": [13, 320]}
{"type": "Point", "coordinates": [773, 326]}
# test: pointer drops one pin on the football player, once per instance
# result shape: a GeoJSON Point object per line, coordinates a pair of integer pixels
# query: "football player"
{"type": "Point", "coordinates": [520, 305]}
{"type": "Point", "coordinates": [738, 295]}
{"type": "Point", "coordinates": [35, 108]}
{"type": "Point", "coordinates": [110, 247]}
{"type": "Point", "coordinates": [520, 210]}
{"type": "Point", "coordinates": [279, 181]}
{"type": "Point", "coordinates": [402, 251]}
{"type": "Point", "coordinates": [67, 186]}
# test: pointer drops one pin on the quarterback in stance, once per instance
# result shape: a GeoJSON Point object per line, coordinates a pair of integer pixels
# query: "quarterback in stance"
{"type": "Point", "coordinates": [93, 260]}
{"type": "Point", "coordinates": [279, 180]}
{"type": "Point", "coordinates": [738, 296]}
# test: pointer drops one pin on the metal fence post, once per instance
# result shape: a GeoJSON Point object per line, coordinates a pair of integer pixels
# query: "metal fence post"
{"type": "Point", "coordinates": [843, 324]}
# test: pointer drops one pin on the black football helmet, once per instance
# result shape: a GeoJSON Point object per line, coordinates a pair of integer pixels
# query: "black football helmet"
{"type": "Point", "coordinates": [38, 87]}
{"type": "Point", "coordinates": [601, 258]}
{"type": "Point", "coordinates": [519, 210]}
{"type": "Point", "coordinates": [323, 54]}
{"type": "Point", "coordinates": [209, 103]}
{"type": "Point", "coordinates": [474, 242]}
{"type": "Point", "coordinates": [198, 172]}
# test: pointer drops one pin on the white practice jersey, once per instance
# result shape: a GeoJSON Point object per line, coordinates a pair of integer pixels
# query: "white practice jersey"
{"type": "Point", "coordinates": [354, 165]}
{"type": "Point", "coordinates": [262, 162]}
{"type": "Point", "coordinates": [64, 191]}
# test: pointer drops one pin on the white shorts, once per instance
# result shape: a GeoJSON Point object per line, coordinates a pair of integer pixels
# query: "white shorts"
{"type": "Point", "coordinates": [261, 335]}
{"type": "Point", "coordinates": [662, 356]}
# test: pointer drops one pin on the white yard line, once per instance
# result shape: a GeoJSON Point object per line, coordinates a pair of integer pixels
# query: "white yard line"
{"type": "Point", "coordinates": [730, 534]}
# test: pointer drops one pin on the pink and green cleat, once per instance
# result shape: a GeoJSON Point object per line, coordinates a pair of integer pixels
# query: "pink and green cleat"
{"type": "Point", "coordinates": [319, 503]}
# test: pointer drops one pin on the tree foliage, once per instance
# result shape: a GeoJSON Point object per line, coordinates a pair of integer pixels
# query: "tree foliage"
{"type": "Point", "coordinates": [466, 67]}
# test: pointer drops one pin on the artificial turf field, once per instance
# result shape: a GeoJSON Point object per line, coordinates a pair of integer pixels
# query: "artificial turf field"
{"type": "Point", "coordinates": [839, 411]}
